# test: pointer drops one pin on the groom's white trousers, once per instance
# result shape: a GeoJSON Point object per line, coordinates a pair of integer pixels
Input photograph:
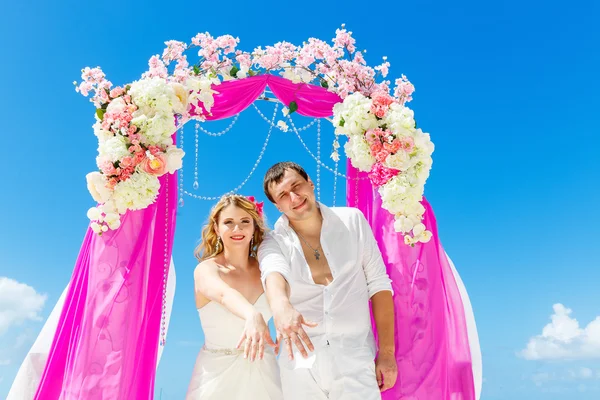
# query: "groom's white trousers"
{"type": "Point", "coordinates": [328, 376]}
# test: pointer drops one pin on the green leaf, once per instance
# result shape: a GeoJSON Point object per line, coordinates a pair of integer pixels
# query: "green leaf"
{"type": "Point", "coordinates": [324, 83]}
{"type": "Point", "coordinates": [234, 71]}
{"type": "Point", "coordinates": [196, 70]}
{"type": "Point", "coordinates": [251, 72]}
{"type": "Point", "coordinates": [100, 113]}
{"type": "Point", "coordinates": [342, 122]}
{"type": "Point", "coordinates": [416, 124]}
{"type": "Point", "coordinates": [293, 106]}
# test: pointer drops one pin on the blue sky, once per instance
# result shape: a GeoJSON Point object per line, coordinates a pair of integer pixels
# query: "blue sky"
{"type": "Point", "coordinates": [508, 91]}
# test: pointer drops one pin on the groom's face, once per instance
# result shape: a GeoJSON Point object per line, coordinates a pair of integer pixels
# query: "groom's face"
{"type": "Point", "coordinates": [294, 196]}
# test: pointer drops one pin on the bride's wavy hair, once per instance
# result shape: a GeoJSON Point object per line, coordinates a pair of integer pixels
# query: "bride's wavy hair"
{"type": "Point", "coordinates": [211, 245]}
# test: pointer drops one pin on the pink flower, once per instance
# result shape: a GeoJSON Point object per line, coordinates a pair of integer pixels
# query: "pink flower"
{"type": "Point", "coordinates": [392, 147]}
{"type": "Point", "coordinates": [381, 155]}
{"type": "Point", "coordinates": [380, 174]}
{"type": "Point", "coordinates": [404, 90]}
{"type": "Point", "coordinates": [407, 143]}
{"type": "Point", "coordinates": [344, 39]}
{"type": "Point", "coordinates": [157, 165]}
{"type": "Point", "coordinates": [381, 103]}
{"type": "Point", "coordinates": [259, 206]}
{"type": "Point", "coordinates": [373, 135]}
{"type": "Point", "coordinates": [116, 92]}
{"type": "Point", "coordinates": [375, 148]}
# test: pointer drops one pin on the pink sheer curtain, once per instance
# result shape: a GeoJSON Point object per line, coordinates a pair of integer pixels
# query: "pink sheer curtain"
{"type": "Point", "coordinates": [432, 344]}
{"type": "Point", "coordinates": [105, 346]}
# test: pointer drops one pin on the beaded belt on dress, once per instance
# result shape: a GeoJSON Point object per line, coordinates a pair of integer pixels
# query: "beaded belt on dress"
{"type": "Point", "coordinates": [227, 352]}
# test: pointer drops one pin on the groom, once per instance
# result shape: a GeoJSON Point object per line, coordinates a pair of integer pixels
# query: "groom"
{"type": "Point", "coordinates": [322, 264]}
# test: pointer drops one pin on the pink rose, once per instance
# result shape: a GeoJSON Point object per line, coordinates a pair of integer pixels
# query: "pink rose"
{"type": "Point", "coordinates": [157, 165]}
{"type": "Point", "coordinates": [381, 155]}
{"type": "Point", "coordinates": [375, 148]}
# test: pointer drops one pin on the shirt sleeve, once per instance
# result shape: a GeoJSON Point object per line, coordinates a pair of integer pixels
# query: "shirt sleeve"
{"type": "Point", "coordinates": [272, 259]}
{"type": "Point", "coordinates": [372, 261]}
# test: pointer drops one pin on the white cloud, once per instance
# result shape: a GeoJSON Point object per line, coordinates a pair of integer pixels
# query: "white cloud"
{"type": "Point", "coordinates": [564, 339]}
{"type": "Point", "coordinates": [18, 303]}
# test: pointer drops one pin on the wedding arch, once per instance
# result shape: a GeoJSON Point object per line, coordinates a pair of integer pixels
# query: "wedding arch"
{"type": "Point", "coordinates": [113, 321]}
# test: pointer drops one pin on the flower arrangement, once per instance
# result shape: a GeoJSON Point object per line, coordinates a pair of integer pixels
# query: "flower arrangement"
{"type": "Point", "coordinates": [383, 140]}
{"type": "Point", "coordinates": [135, 122]}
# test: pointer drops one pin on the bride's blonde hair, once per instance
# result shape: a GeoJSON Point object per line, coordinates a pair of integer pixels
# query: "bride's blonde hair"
{"type": "Point", "coordinates": [211, 244]}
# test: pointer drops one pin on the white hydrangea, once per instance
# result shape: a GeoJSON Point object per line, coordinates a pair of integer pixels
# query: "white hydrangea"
{"type": "Point", "coordinates": [400, 119]}
{"type": "Point", "coordinates": [153, 96]}
{"type": "Point", "coordinates": [136, 193]}
{"type": "Point", "coordinates": [155, 130]}
{"type": "Point", "coordinates": [101, 134]}
{"type": "Point", "coordinates": [357, 150]}
{"type": "Point", "coordinates": [112, 149]}
{"type": "Point", "coordinates": [354, 111]}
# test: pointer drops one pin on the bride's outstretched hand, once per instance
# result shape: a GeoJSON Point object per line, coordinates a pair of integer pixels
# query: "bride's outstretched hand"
{"type": "Point", "coordinates": [255, 337]}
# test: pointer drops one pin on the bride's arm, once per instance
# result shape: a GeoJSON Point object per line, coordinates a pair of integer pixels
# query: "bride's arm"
{"type": "Point", "coordinates": [208, 283]}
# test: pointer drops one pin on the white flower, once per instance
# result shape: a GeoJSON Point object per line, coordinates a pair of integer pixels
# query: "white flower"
{"type": "Point", "coordinates": [94, 214]}
{"type": "Point", "coordinates": [112, 149]}
{"type": "Point", "coordinates": [136, 193]}
{"type": "Point", "coordinates": [153, 96]}
{"type": "Point", "coordinates": [335, 156]}
{"type": "Point", "coordinates": [174, 157]}
{"type": "Point", "coordinates": [117, 105]}
{"type": "Point", "coordinates": [418, 229]}
{"type": "Point", "coordinates": [282, 125]}
{"type": "Point", "coordinates": [96, 184]}
{"type": "Point", "coordinates": [100, 133]}
{"type": "Point", "coordinates": [400, 161]}
{"type": "Point", "coordinates": [354, 112]}
{"type": "Point", "coordinates": [181, 95]}
{"type": "Point", "coordinates": [113, 220]}
{"type": "Point", "coordinates": [96, 227]}
{"type": "Point", "coordinates": [285, 111]}
{"type": "Point", "coordinates": [201, 91]}
{"type": "Point", "coordinates": [296, 75]}
{"type": "Point", "coordinates": [425, 237]}
{"type": "Point", "coordinates": [156, 130]}
{"type": "Point", "coordinates": [403, 224]}
{"type": "Point", "coordinates": [400, 119]}
{"type": "Point", "coordinates": [358, 151]}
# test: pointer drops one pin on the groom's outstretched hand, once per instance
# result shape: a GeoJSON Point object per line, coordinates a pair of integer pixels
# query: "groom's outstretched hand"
{"type": "Point", "coordinates": [289, 324]}
{"type": "Point", "coordinates": [386, 370]}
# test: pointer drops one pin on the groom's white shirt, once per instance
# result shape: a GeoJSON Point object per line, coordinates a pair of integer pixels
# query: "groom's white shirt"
{"type": "Point", "coordinates": [341, 309]}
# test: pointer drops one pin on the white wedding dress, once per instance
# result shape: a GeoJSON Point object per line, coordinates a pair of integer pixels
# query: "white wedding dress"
{"type": "Point", "coordinates": [221, 371]}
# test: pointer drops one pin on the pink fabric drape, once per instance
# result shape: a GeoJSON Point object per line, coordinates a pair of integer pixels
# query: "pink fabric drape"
{"type": "Point", "coordinates": [432, 344]}
{"type": "Point", "coordinates": [235, 96]}
{"type": "Point", "coordinates": [105, 346]}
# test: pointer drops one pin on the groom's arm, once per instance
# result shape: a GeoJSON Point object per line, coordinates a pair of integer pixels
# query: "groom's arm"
{"type": "Point", "coordinates": [382, 303]}
{"type": "Point", "coordinates": [275, 272]}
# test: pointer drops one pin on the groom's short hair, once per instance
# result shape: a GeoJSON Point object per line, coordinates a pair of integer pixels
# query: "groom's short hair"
{"type": "Point", "coordinates": [275, 175]}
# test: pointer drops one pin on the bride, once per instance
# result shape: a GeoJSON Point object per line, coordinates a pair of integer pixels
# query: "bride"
{"type": "Point", "coordinates": [237, 360]}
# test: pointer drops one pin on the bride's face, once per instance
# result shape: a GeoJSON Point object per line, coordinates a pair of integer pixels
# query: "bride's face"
{"type": "Point", "coordinates": [235, 227]}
